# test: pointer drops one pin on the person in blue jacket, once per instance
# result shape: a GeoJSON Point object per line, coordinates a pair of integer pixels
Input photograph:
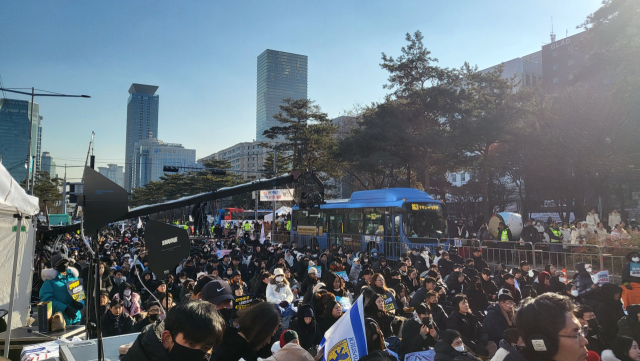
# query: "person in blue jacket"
{"type": "Point", "coordinates": [60, 282]}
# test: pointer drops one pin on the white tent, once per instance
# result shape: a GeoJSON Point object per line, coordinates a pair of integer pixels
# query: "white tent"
{"type": "Point", "coordinates": [17, 242]}
{"type": "Point", "coordinates": [282, 210]}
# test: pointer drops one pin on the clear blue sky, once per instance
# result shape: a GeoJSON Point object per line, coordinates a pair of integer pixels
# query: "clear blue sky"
{"type": "Point", "coordinates": [203, 54]}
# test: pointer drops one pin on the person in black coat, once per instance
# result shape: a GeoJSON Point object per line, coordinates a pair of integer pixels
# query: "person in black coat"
{"type": "Point", "coordinates": [418, 335]}
{"type": "Point", "coordinates": [115, 322]}
{"type": "Point", "coordinates": [445, 265]}
{"type": "Point", "coordinates": [477, 298]}
{"type": "Point", "coordinates": [454, 256]}
{"type": "Point", "coordinates": [257, 326]}
{"type": "Point", "coordinates": [495, 323]}
{"type": "Point", "coordinates": [478, 262]}
{"type": "Point", "coordinates": [445, 350]}
{"type": "Point", "coordinates": [489, 287]}
{"type": "Point", "coordinates": [309, 281]}
{"type": "Point", "coordinates": [153, 315]}
{"type": "Point", "coordinates": [418, 262]}
{"type": "Point", "coordinates": [305, 324]}
{"type": "Point", "coordinates": [332, 313]}
{"type": "Point", "coordinates": [469, 270]}
{"type": "Point", "coordinates": [607, 307]}
{"type": "Point", "coordinates": [468, 326]}
{"type": "Point", "coordinates": [374, 309]}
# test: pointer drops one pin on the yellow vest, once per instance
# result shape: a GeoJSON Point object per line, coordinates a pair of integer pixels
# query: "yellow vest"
{"type": "Point", "coordinates": [504, 236]}
{"type": "Point", "coordinates": [556, 233]}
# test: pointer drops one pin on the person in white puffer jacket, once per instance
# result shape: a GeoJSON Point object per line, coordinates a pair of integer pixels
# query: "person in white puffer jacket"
{"type": "Point", "coordinates": [279, 293]}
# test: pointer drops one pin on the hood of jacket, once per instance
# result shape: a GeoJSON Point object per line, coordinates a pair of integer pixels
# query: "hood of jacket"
{"type": "Point", "coordinates": [607, 355]}
{"type": "Point", "coordinates": [291, 352]}
{"type": "Point", "coordinates": [151, 341]}
{"type": "Point", "coordinates": [48, 274]}
{"type": "Point", "coordinates": [445, 348]}
{"type": "Point", "coordinates": [581, 268]}
{"type": "Point", "coordinates": [608, 290]}
{"type": "Point", "coordinates": [631, 255]}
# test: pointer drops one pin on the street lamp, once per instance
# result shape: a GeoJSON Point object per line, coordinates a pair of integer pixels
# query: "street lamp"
{"type": "Point", "coordinates": [33, 94]}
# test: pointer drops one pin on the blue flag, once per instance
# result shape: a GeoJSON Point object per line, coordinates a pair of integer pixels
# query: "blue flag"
{"type": "Point", "coordinates": [346, 340]}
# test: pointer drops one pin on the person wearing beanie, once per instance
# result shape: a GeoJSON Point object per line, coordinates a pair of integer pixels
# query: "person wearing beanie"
{"type": "Point", "coordinates": [310, 280]}
{"type": "Point", "coordinates": [544, 283]}
{"type": "Point", "coordinates": [489, 287]}
{"type": "Point", "coordinates": [54, 288]}
{"type": "Point", "coordinates": [500, 317]}
{"type": "Point", "coordinates": [292, 352]}
{"type": "Point", "coordinates": [305, 325]}
{"type": "Point", "coordinates": [629, 325]}
{"type": "Point", "coordinates": [289, 336]}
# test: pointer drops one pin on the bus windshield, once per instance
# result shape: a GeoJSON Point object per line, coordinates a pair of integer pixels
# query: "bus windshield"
{"type": "Point", "coordinates": [424, 221]}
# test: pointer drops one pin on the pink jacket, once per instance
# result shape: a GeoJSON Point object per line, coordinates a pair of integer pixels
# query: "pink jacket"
{"type": "Point", "coordinates": [135, 303]}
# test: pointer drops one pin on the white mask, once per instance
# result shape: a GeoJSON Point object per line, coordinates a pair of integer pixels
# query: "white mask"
{"type": "Point", "coordinates": [127, 293]}
{"type": "Point", "coordinates": [531, 274]}
{"type": "Point", "coordinates": [635, 259]}
{"type": "Point", "coordinates": [459, 348]}
{"type": "Point", "coordinates": [279, 278]}
{"type": "Point", "coordinates": [562, 279]}
{"type": "Point", "coordinates": [589, 269]}
{"type": "Point", "coordinates": [574, 293]}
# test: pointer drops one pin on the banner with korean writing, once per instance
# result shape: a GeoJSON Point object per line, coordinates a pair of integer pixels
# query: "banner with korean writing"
{"type": "Point", "coordinates": [242, 302]}
{"type": "Point", "coordinates": [389, 302]}
{"type": "Point", "coordinates": [276, 195]}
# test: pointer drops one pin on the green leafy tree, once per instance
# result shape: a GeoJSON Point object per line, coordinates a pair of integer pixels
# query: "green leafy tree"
{"type": "Point", "coordinates": [307, 133]}
{"type": "Point", "coordinates": [47, 190]}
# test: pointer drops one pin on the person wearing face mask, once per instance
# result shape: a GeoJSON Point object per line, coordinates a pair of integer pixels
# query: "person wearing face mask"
{"type": "Point", "coordinates": [279, 293]}
{"type": "Point", "coordinates": [544, 283]}
{"type": "Point", "coordinates": [116, 321]}
{"type": "Point", "coordinates": [583, 281]}
{"type": "Point", "coordinates": [556, 279]}
{"type": "Point", "coordinates": [55, 288]}
{"type": "Point", "coordinates": [587, 317]}
{"type": "Point", "coordinates": [419, 263]}
{"type": "Point", "coordinates": [153, 315]}
{"type": "Point", "coordinates": [191, 331]}
{"type": "Point", "coordinates": [130, 299]}
{"type": "Point", "coordinates": [631, 279]}
{"type": "Point", "coordinates": [608, 309]}
{"type": "Point", "coordinates": [450, 347]}
{"type": "Point", "coordinates": [307, 328]}
{"type": "Point", "coordinates": [419, 333]}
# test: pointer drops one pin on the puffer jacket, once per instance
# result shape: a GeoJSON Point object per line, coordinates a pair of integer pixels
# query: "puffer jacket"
{"type": "Point", "coordinates": [55, 289]}
{"type": "Point", "coordinates": [276, 297]}
{"type": "Point", "coordinates": [444, 352]}
{"type": "Point", "coordinates": [355, 273]}
{"type": "Point", "coordinates": [291, 352]}
{"type": "Point", "coordinates": [148, 345]}
{"type": "Point", "coordinates": [495, 324]}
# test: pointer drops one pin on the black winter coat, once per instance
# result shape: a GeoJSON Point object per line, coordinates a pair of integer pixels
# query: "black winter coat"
{"type": "Point", "coordinates": [108, 324]}
{"type": "Point", "coordinates": [445, 267]}
{"type": "Point", "coordinates": [412, 339]}
{"type": "Point", "coordinates": [444, 352]}
{"type": "Point", "coordinates": [233, 348]}
{"type": "Point", "coordinates": [495, 324]}
{"type": "Point", "coordinates": [469, 328]}
{"type": "Point", "coordinates": [490, 289]}
{"type": "Point", "coordinates": [477, 299]}
{"type": "Point", "coordinates": [419, 263]}
{"type": "Point", "coordinates": [148, 345]}
{"type": "Point", "coordinates": [439, 316]}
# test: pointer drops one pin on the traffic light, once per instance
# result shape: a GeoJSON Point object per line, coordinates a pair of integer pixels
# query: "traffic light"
{"type": "Point", "coordinates": [218, 172]}
{"type": "Point", "coordinates": [171, 169]}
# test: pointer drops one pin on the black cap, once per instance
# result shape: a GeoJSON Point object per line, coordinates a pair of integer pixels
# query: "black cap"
{"type": "Point", "coordinates": [486, 271]}
{"type": "Point", "coordinates": [524, 263]}
{"type": "Point", "coordinates": [216, 292]}
{"type": "Point", "coordinates": [505, 296]}
{"type": "Point", "coordinates": [201, 283]}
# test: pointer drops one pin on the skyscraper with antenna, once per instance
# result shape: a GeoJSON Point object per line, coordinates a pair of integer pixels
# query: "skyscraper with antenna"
{"type": "Point", "coordinates": [553, 36]}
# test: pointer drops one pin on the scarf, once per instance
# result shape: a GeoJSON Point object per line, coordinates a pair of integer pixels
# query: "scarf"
{"type": "Point", "coordinates": [127, 302]}
{"type": "Point", "coordinates": [279, 286]}
{"type": "Point", "coordinates": [508, 316]}
{"type": "Point", "coordinates": [289, 260]}
{"type": "Point", "coordinates": [416, 318]}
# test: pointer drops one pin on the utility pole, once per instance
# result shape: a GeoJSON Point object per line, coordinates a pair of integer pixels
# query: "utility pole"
{"type": "Point", "coordinates": [275, 174]}
{"type": "Point", "coordinates": [33, 94]}
{"type": "Point", "coordinates": [64, 191]}
{"type": "Point", "coordinates": [29, 151]}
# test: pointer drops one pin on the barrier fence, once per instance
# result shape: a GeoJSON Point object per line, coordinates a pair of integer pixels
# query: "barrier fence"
{"type": "Point", "coordinates": [561, 255]}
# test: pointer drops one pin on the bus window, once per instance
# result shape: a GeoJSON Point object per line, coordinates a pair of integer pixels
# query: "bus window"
{"type": "Point", "coordinates": [355, 225]}
{"type": "Point", "coordinates": [424, 224]}
{"type": "Point", "coordinates": [372, 220]}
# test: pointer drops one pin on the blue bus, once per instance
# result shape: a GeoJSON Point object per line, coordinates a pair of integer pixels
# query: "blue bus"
{"type": "Point", "coordinates": [391, 221]}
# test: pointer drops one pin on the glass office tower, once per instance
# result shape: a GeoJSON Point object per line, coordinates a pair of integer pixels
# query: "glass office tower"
{"type": "Point", "coordinates": [14, 135]}
{"type": "Point", "coordinates": [280, 75]}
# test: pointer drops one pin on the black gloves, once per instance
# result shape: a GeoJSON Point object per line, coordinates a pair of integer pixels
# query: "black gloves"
{"type": "Point", "coordinates": [76, 304]}
{"type": "Point", "coordinates": [70, 312]}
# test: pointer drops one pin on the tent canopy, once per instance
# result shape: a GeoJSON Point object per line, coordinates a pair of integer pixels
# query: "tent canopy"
{"type": "Point", "coordinates": [279, 211]}
{"type": "Point", "coordinates": [13, 199]}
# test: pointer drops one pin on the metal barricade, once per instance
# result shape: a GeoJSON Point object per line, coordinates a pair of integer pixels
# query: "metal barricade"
{"type": "Point", "coordinates": [567, 256]}
{"type": "Point", "coordinates": [508, 253]}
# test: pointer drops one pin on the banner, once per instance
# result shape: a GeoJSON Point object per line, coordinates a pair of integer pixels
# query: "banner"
{"type": "Point", "coordinates": [262, 234]}
{"type": "Point", "coordinates": [242, 302]}
{"type": "Point", "coordinates": [389, 302]}
{"type": "Point", "coordinates": [344, 301]}
{"type": "Point", "coordinates": [276, 195]}
{"type": "Point", "coordinates": [344, 276]}
{"type": "Point", "coordinates": [428, 355]}
{"type": "Point", "coordinates": [601, 277]}
{"type": "Point", "coordinates": [346, 339]}
{"type": "Point", "coordinates": [319, 270]}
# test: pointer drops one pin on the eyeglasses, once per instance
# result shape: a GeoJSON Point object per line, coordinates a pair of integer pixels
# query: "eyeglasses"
{"type": "Point", "coordinates": [583, 332]}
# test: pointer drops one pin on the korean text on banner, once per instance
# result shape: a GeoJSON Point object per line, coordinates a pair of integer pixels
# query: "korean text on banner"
{"type": "Point", "coordinates": [276, 195]}
{"type": "Point", "coordinates": [343, 275]}
{"type": "Point", "coordinates": [346, 340]}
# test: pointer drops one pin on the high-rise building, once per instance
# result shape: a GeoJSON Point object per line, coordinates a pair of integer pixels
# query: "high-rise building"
{"type": "Point", "coordinates": [39, 145]}
{"type": "Point", "coordinates": [280, 75]}
{"type": "Point", "coordinates": [142, 123]}
{"type": "Point", "coordinates": [151, 155]}
{"type": "Point", "coordinates": [114, 173]}
{"type": "Point", "coordinates": [48, 165]}
{"type": "Point", "coordinates": [245, 156]}
{"type": "Point", "coordinates": [561, 59]}
{"type": "Point", "coordinates": [14, 135]}
{"type": "Point", "coordinates": [527, 70]}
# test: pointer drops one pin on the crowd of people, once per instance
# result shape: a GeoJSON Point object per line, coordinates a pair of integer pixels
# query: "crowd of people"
{"type": "Point", "coordinates": [233, 300]}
